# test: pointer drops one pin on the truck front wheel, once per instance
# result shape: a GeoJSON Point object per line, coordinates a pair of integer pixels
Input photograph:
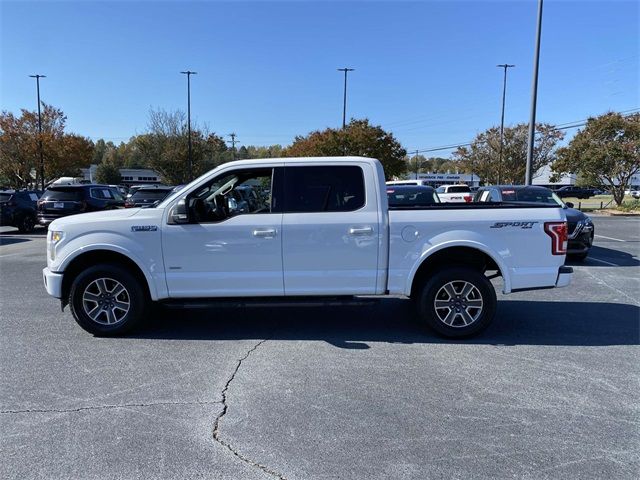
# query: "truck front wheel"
{"type": "Point", "coordinates": [107, 300]}
{"type": "Point", "coordinates": [457, 302]}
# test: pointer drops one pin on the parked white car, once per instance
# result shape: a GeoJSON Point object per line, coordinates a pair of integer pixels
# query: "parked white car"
{"type": "Point", "coordinates": [321, 228]}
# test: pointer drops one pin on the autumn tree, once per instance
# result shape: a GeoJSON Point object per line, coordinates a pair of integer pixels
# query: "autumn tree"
{"type": "Point", "coordinates": [482, 157]}
{"type": "Point", "coordinates": [358, 138]}
{"type": "Point", "coordinates": [63, 153]}
{"type": "Point", "coordinates": [605, 153]}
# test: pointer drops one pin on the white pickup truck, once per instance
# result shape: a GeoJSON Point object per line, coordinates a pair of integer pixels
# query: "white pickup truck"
{"type": "Point", "coordinates": [312, 229]}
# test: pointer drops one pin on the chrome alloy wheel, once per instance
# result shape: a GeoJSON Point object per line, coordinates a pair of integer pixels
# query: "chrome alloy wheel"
{"type": "Point", "coordinates": [106, 301]}
{"type": "Point", "coordinates": [458, 304]}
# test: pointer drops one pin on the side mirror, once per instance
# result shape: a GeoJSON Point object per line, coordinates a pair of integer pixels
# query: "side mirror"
{"type": "Point", "coordinates": [569, 204]}
{"type": "Point", "coordinates": [179, 213]}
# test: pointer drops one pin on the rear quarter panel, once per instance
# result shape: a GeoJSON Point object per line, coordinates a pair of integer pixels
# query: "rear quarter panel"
{"type": "Point", "coordinates": [522, 254]}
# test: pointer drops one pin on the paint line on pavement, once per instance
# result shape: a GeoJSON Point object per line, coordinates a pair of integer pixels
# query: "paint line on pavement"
{"type": "Point", "coordinates": [610, 238]}
{"type": "Point", "coordinates": [604, 261]}
{"type": "Point", "coordinates": [10, 254]}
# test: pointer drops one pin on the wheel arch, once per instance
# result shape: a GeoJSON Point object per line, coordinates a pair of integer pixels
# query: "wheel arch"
{"type": "Point", "coordinates": [94, 257]}
{"type": "Point", "coordinates": [471, 255]}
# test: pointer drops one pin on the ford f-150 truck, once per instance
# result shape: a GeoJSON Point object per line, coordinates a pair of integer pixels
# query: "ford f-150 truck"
{"type": "Point", "coordinates": [316, 228]}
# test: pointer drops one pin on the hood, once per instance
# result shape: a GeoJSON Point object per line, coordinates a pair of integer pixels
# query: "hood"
{"type": "Point", "coordinates": [84, 218]}
{"type": "Point", "coordinates": [574, 215]}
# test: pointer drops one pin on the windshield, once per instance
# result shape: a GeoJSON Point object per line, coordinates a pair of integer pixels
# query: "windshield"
{"type": "Point", "coordinates": [411, 197]}
{"type": "Point", "coordinates": [69, 194]}
{"type": "Point", "coordinates": [149, 195]}
{"type": "Point", "coordinates": [459, 189]}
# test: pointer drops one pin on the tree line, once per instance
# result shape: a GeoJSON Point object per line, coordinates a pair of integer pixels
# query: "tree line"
{"type": "Point", "coordinates": [605, 152]}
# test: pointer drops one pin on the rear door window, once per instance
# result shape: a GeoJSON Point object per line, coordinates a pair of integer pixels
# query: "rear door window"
{"type": "Point", "coordinates": [102, 193]}
{"type": "Point", "coordinates": [324, 189]}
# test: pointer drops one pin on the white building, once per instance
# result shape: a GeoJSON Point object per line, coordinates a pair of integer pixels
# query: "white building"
{"type": "Point", "coordinates": [543, 177]}
{"type": "Point", "coordinates": [437, 179]}
{"type": "Point", "coordinates": [130, 176]}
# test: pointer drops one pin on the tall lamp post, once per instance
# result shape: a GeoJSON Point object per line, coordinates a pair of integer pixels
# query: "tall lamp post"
{"type": "Point", "coordinates": [344, 101]}
{"type": "Point", "coordinates": [504, 96]}
{"type": "Point", "coordinates": [534, 97]}
{"type": "Point", "coordinates": [188, 73]}
{"type": "Point", "coordinates": [38, 77]}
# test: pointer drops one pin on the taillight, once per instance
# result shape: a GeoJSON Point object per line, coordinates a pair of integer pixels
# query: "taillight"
{"type": "Point", "coordinates": [468, 198]}
{"type": "Point", "coordinates": [559, 234]}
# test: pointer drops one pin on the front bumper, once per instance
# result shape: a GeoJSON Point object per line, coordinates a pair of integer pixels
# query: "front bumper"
{"type": "Point", "coordinates": [52, 282]}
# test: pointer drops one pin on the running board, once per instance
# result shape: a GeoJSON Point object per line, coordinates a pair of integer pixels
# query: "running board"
{"type": "Point", "coordinates": [268, 302]}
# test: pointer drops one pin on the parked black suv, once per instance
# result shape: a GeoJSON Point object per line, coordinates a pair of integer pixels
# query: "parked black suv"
{"type": "Point", "coordinates": [148, 196]}
{"type": "Point", "coordinates": [580, 227]}
{"type": "Point", "coordinates": [18, 209]}
{"type": "Point", "coordinates": [60, 201]}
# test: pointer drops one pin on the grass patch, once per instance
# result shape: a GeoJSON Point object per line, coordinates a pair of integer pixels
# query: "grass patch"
{"type": "Point", "coordinates": [629, 206]}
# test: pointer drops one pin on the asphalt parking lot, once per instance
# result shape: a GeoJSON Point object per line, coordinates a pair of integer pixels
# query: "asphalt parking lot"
{"type": "Point", "coordinates": [550, 390]}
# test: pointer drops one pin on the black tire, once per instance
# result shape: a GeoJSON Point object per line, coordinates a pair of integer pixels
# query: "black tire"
{"type": "Point", "coordinates": [27, 224]}
{"type": "Point", "coordinates": [467, 315]}
{"type": "Point", "coordinates": [111, 320]}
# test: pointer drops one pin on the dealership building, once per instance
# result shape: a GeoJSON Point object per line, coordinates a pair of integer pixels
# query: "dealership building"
{"type": "Point", "coordinates": [129, 176]}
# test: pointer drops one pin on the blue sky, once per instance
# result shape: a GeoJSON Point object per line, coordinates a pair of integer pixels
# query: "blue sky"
{"type": "Point", "coordinates": [267, 70]}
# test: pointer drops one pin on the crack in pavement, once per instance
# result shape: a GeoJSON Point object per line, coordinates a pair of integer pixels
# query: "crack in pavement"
{"type": "Point", "coordinates": [102, 407]}
{"type": "Point", "coordinates": [216, 425]}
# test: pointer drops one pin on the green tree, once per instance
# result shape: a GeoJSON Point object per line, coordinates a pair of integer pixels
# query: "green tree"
{"type": "Point", "coordinates": [605, 153]}
{"type": "Point", "coordinates": [482, 157]}
{"type": "Point", "coordinates": [357, 138]}
{"type": "Point", "coordinates": [99, 150]}
{"type": "Point", "coordinates": [108, 173]}
{"type": "Point", "coordinates": [165, 147]}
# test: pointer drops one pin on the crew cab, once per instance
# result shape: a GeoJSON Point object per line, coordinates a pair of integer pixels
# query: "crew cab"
{"type": "Point", "coordinates": [319, 228]}
{"type": "Point", "coordinates": [455, 193]}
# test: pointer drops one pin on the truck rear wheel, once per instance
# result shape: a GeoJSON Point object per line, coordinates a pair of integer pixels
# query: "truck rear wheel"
{"type": "Point", "coordinates": [457, 302]}
{"type": "Point", "coordinates": [106, 300]}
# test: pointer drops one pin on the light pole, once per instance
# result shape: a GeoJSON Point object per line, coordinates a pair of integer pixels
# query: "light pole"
{"type": "Point", "coordinates": [38, 77]}
{"type": "Point", "coordinates": [188, 73]}
{"type": "Point", "coordinates": [534, 97]}
{"type": "Point", "coordinates": [233, 142]}
{"type": "Point", "coordinates": [344, 101]}
{"type": "Point", "coordinates": [504, 96]}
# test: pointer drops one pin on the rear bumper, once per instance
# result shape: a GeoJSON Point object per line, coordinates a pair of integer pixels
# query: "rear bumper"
{"type": "Point", "coordinates": [563, 279]}
{"type": "Point", "coordinates": [52, 282]}
{"type": "Point", "coordinates": [564, 276]}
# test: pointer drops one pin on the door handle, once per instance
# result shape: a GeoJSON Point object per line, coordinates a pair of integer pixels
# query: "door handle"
{"type": "Point", "coordinates": [360, 231]}
{"type": "Point", "coordinates": [264, 232]}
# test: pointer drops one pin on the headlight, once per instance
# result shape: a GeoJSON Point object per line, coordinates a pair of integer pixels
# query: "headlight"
{"type": "Point", "coordinates": [54, 239]}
